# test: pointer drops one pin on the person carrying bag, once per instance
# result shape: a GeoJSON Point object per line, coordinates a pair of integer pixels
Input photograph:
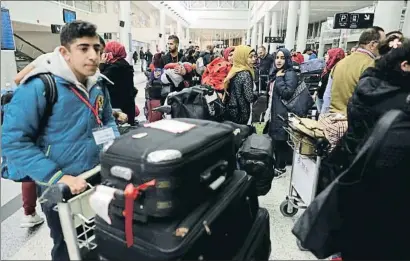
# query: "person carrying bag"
{"type": "Point", "coordinates": [320, 228]}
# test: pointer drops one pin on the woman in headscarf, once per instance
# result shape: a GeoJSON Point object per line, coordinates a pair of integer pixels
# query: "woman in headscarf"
{"type": "Point", "coordinates": [332, 57]}
{"type": "Point", "coordinates": [121, 73]}
{"type": "Point", "coordinates": [239, 85]}
{"type": "Point", "coordinates": [284, 84]}
{"type": "Point", "coordinates": [216, 72]}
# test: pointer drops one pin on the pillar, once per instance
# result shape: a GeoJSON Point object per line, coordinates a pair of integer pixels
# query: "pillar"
{"type": "Point", "coordinates": [266, 28]}
{"type": "Point", "coordinates": [321, 50]}
{"type": "Point", "coordinates": [254, 36]}
{"type": "Point", "coordinates": [125, 32]}
{"type": "Point", "coordinates": [406, 25]}
{"type": "Point", "coordinates": [187, 36]}
{"type": "Point", "coordinates": [171, 29]}
{"type": "Point", "coordinates": [274, 30]}
{"type": "Point", "coordinates": [162, 40]}
{"type": "Point", "coordinates": [248, 36]}
{"type": "Point", "coordinates": [291, 24]}
{"type": "Point", "coordinates": [388, 15]}
{"type": "Point", "coordinates": [303, 25]}
{"type": "Point", "coordinates": [260, 33]}
{"type": "Point", "coordinates": [179, 30]}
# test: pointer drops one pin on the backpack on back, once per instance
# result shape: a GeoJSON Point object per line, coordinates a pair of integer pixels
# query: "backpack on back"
{"type": "Point", "coordinates": [51, 95]}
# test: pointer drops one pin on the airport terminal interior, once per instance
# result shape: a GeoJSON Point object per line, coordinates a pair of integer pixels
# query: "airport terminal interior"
{"type": "Point", "coordinates": [32, 28]}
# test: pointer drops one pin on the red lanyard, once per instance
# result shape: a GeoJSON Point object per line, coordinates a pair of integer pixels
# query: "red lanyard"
{"type": "Point", "coordinates": [93, 110]}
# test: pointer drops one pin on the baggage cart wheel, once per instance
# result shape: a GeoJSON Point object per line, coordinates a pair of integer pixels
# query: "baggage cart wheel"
{"type": "Point", "coordinates": [286, 210]}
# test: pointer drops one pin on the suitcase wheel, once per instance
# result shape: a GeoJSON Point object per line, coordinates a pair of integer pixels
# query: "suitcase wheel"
{"type": "Point", "coordinates": [286, 210]}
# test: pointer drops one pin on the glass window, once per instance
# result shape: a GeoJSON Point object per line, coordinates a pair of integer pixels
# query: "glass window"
{"type": "Point", "coordinates": [83, 5]}
{"type": "Point", "coordinates": [98, 7]}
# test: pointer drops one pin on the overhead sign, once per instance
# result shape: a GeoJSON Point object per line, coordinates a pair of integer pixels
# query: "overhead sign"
{"type": "Point", "coordinates": [108, 36]}
{"type": "Point", "coordinates": [69, 16]}
{"type": "Point", "coordinates": [56, 28]}
{"type": "Point", "coordinates": [274, 39]}
{"type": "Point", "coordinates": [353, 20]}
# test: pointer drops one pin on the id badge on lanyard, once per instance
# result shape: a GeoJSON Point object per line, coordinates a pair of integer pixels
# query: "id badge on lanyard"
{"type": "Point", "coordinates": [101, 134]}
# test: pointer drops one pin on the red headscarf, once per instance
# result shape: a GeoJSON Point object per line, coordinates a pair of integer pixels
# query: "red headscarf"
{"type": "Point", "coordinates": [227, 51]}
{"type": "Point", "coordinates": [116, 51]}
{"type": "Point", "coordinates": [335, 55]}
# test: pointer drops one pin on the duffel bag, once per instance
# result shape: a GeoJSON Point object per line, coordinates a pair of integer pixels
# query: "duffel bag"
{"type": "Point", "coordinates": [153, 90]}
{"type": "Point", "coordinates": [198, 102]}
{"type": "Point", "coordinates": [188, 159]}
{"type": "Point", "coordinates": [256, 158]}
{"type": "Point", "coordinates": [242, 132]}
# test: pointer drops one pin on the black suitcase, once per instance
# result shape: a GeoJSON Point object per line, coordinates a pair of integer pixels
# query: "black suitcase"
{"type": "Point", "coordinates": [215, 230]}
{"type": "Point", "coordinates": [153, 90]}
{"type": "Point", "coordinates": [256, 158]}
{"type": "Point", "coordinates": [257, 245]}
{"type": "Point", "coordinates": [242, 132]}
{"type": "Point", "coordinates": [187, 167]}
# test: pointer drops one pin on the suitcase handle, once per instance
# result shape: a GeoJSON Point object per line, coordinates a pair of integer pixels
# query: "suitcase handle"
{"type": "Point", "coordinates": [215, 176]}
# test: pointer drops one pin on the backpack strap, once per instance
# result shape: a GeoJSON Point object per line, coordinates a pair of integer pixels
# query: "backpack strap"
{"type": "Point", "coordinates": [51, 96]}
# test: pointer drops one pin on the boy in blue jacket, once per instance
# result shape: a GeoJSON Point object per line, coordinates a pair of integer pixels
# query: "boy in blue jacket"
{"type": "Point", "coordinates": [66, 147]}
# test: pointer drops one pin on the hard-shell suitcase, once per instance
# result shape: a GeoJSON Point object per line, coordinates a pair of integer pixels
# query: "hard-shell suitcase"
{"type": "Point", "coordinates": [215, 230]}
{"type": "Point", "coordinates": [188, 159]}
{"type": "Point", "coordinates": [257, 245]}
{"type": "Point", "coordinates": [256, 158]}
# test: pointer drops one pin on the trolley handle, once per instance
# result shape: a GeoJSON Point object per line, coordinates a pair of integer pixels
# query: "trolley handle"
{"type": "Point", "coordinates": [60, 192]}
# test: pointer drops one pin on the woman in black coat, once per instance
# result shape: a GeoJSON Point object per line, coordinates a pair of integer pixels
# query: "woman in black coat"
{"type": "Point", "coordinates": [378, 227]}
{"type": "Point", "coordinates": [285, 82]}
{"type": "Point", "coordinates": [121, 73]}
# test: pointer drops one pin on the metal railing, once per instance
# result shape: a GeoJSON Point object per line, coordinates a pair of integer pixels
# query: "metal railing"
{"type": "Point", "coordinates": [28, 49]}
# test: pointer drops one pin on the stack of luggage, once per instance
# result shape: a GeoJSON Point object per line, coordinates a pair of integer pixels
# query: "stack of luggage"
{"type": "Point", "coordinates": [311, 72]}
{"type": "Point", "coordinates": [178, 195]}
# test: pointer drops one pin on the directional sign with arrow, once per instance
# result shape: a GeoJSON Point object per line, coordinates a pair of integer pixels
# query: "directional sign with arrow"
{"type": "Point", "coordinates": [353, 20]}
{"type": "Point", "coordinates": [274, 39]}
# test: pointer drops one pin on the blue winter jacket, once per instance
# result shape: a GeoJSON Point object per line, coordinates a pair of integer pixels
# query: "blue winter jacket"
{"type": "Point", "coordinates": [67, 146]}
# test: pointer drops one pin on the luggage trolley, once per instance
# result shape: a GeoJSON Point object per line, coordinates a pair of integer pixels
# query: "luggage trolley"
{"type": "Point", "coordinates": [76, 216]}
{"type": "Point", "coordinates": [307, 154]}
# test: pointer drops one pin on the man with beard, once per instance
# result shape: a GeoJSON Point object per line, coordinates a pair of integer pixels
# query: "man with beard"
{"type": "Point", "coordinates": [173, 56]}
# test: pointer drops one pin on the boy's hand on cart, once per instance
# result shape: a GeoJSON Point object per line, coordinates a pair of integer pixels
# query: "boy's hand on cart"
{"type": "Point", "coordinates": [76, 184]}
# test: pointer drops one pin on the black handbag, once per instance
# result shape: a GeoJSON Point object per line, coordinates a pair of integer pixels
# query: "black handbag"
{"type": "Point", "coordinates": [319, 229]}
{"type": "Point", "coordinates": [301, 101]}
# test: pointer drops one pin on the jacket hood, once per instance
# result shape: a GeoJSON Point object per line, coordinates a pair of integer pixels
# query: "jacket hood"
{"type": "Point", "coordinates": [372, 86]}
{"type": "Point", "coordinates": [55, 64]}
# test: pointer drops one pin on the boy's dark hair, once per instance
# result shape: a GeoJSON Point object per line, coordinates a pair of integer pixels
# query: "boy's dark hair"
{"type": "Point", "coordinates": [389, 64]}
{"type": "Point", "coordinates": [77, 29]}
{"type": "Point", "coordinates": [368, 36]}
{"type": "Point", "coordinates": [174, 37]}
{"type": "Point", "coordinates": [394, 32]}
{"type": "Point", "coordinates": [384, 46]}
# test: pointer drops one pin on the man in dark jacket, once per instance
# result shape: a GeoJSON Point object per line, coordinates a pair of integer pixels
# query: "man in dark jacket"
{"type": "Point", "coordinates": [173, 56]}
{"type": "Point", "coordinates": [265, 62]}
{"type": "Point", "coordinates": [148, 57]}
{"type": "Point", "coordinates": [142, 58]}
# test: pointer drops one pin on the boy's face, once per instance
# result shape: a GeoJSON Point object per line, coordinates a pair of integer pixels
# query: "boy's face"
{"type": "Point", "coordinates": [83, 55]}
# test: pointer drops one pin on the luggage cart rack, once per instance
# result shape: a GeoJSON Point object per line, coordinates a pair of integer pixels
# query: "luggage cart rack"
{"type": "Point", "coordinates": [76, 216]}
{"type": "Point", "coordinates": [307, 155]}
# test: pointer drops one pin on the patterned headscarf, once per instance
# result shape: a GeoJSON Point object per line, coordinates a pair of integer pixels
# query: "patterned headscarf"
{"type": "Point", "coordinates": [116, 51]}
{"type": "Point", "coordinates": [227, 51]}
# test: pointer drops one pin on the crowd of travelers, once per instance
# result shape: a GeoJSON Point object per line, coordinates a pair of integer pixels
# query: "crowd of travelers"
{"type": "Point", "coordinates": [92, 77]}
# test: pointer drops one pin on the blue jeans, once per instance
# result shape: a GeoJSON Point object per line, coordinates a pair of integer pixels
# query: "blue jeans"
{"type": "Point", "coordinates": [59, 251]}
{"type": "Point", "coordinates": [319, 104]}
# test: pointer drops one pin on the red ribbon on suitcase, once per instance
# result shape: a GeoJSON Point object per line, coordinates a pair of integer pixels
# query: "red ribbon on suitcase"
{"type": "Point", "coordinates": [131, 193]}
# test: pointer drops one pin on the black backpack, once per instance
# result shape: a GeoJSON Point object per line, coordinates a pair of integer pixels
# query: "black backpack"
{"type": "Point", "coordinates": [50, 94]}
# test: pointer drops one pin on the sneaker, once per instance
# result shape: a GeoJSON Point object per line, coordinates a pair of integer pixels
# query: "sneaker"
{"type": "Point", "coordinates": [336, 257]}
{"type": "Point", "coordinates": [279, 173]}
{"type": "Point", "coordinates": [31, 221]}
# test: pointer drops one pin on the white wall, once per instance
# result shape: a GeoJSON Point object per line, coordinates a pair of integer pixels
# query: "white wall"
{"type": "Point", "coordinates": [234, 20]}
{"type": "Point", "coordinates": [146, 35]}
{"type": "Point", "coordinates": [49, 12]}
